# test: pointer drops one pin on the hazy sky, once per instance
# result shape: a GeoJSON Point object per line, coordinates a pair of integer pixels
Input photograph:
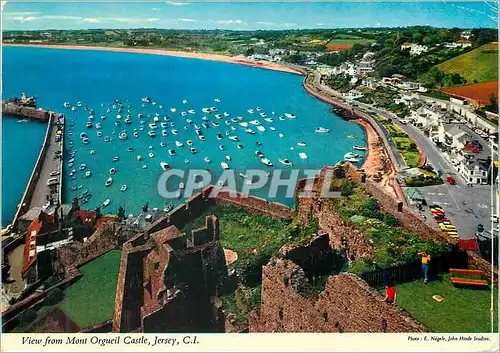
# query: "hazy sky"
{"type": "Point", "coordinates": [244, 16]}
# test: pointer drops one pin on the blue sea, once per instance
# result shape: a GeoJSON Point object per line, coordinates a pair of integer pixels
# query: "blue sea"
{"type": "Point", "coordinates": [97, 79]}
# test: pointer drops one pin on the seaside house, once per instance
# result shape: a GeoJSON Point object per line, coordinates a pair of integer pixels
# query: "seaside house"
{"type": "Point", "coordinates": [458, 44]}
{"type": "Point", "coordinates": [346, 68]}
{"type": "Point", "coordinates": [452, 136]}
{"type": "Point", "coordinates": [325, 70]}
{"type": "Point", "coordinates": [370, 82]}
{"type": "Point", "coordinates": [424, 117]}
{"type": "Point", "coordinates": [353, 94]}
{"type": "Point", "coordinates": [466, 34]}
{"type": "Point", "coordinates": [415, 49]}
{"type": "Point", "coordinates": [477, 169]}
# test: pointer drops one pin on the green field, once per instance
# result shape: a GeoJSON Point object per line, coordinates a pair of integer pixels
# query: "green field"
{"type": "Point", "coordinates": [91, 300]}
{"type": "Point", "coordinates": [463, 310]}
{"type": "Point", "coordinates": [480, 64]}
{"type": "Point", "coordinates": [411, 158]}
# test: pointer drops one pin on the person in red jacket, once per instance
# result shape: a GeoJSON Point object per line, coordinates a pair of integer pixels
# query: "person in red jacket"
{"type": "Point", "coordinates": [390, 294]}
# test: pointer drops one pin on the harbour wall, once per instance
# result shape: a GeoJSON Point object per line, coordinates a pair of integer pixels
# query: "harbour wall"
{"type": "Point", "coordinates": [18, 111]}
{"type": "Point", "coordinates": [25, 202]}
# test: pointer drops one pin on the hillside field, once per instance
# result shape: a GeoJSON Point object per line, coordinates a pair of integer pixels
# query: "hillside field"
{"type": "Point", "coordinates": [480, 64]}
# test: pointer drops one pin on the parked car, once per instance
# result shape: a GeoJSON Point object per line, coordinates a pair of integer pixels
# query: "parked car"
{"type": "Point", "coordinates": [480, 228]}
{"type": "Point", "coordinates": [54, 173]}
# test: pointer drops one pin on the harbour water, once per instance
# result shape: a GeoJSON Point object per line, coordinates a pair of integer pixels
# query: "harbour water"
{"type": "Point", "coordinates": [21, 143]}
{"type": "Point", "coordinates": [98, 78]}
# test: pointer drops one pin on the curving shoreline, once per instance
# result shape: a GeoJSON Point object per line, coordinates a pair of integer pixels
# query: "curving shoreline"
{"type": "Point", "coordinates": [181, 54]}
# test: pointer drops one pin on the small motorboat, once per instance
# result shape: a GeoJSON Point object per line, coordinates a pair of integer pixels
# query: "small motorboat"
{"type": "Point", "coordinates": [186, 161]}
{"type": "Point", "coordinates": [179, 144]}
{"type": "Point", "coordinates": [189, 142]}
{"type": "Point", "coordinates": [175, 132]}
{"type": "Point", "coordinates": [301, 144]}
{"type": "Point", "coordinates": [360, 148]}
{"type": "Point", "coordinates": [163, 144]}
{"type": "Point", "coordinates": [139, 157]}
{"type": "Point", "coordinates": [85, 140]}
{"type": "Point", "coordinates": [215, 123]}
{"type": "Point", "coordinates": [109, 181]}
{"type": "Point", "coordinates": [250, 111]}
{"type": "Point", "coordinates": [123, 135]}
{"type": "Point", "coordinates": [151, 155]}
{"type": "Point", "coordinates": [189, 121]}
{"type": "Point", "coordinates": [259, 154]}
{"type": "Point", "coordinates": [173, 110]}
{"type": "Point", "coordinates": [233, 138]}
{"type": "Point", "coordinates": [136, 134]}
{"type": "Point", "coordinates": [206, 159]}
{"type": "Point", "coordinates": [123, 188]}
{"type": "Point", "coordinates": [82, 166]}
{"type": "Point", "coordinates": [258, 143]}
{"type": "Point", "coordinates": [144, 166]}
{"type": "Point", "coordinates": [164, 132]}
{"type": "Point", "coordinates": [285, 161]}
{"type": "Point", "coordinates": [263, 115]}
{"type": "Point", "coordinates": [151, 133]}
{"type": "Point", "coordinates": [250, 131]}
{"type": "Point", "coordinates": [352, 137]}
{"type": "Point", "coordinates": [172, 152]}
{"type": "Point", "coordinates": [269, 120]}
{"type": "Point", "coordinates": [290, 115]}
{"type": "Point", "coordinates": [112, 171]}
{"type": "Point", "coordinates": [82, 135]}
{"type": "Point", "coordinates": [244, 176]}
{"type": "Point", "coordinates": [115, 159]}
{"type": "Point", "coordinates": [153, 126]}
{"type": "Point", "coordinates": [224, 165]}
{"type": "Point", "coordinates": [281, 136]}
{"type": "Point", "coordinates": [258, 109]}
{"type": "Point", "coordinates": [106, 203]}
{"type": "Point", "coordinates": [98, 126]}
{"type": "Point", "coordinates": [254, 122]}
{"type": "Point", "coordinates": [228, 158]}
{"type": "Point", "coordinates": [267, 162]}
{"type": "Point", "coordinates": [202, 138]}
{"type": "Point", "coordinates": [219, 136]}
{"type": "Point", "coordinates": [89, 124]}
{"type": "Point", "coordinates": [192, 150]}
{"type": "Point", "coordinates": [88, 174]}
{"type": "Point", "coordinates": [128, 121]}
{"type": "Point", "coordinates": [130, 149]}
{"type": "Point", "coordinates": [92, 152]}
{"type": "Point", "coordinates": [217, 100]}
{"type": "Point", "coordinates": [184, 102]}
{"type": "Point", "coordinates": [322, 130]}
{"type": "Point", "coordinates": [261, 128]}
{"type": "Point", "coordinates": [303, 155]}
{"type": "Point", "coordinates": [191, 111]}
{"type": "Point", "coordinates": [239, 145]}
{"type": "Point", "coordinates": [353, 160]}
{"type": "Point", "coordinates": [222, 147]}
{"type": "Point", "coordinates": [272, 128]}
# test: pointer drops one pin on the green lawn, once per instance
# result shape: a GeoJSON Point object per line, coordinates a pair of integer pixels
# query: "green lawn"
{"type": "Point", "coordinates": [463, 310]}
{"type": "Point", "coordinates": [411, 158]}
{"type": "Point", "coordinates": [403, 142]}
{"type": "Point", "coordinates": [480, 64]}
{"type": "Point", "coordinates": [91, 300]}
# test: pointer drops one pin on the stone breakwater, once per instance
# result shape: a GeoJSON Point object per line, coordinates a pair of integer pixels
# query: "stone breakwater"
{"type": "Point", "coordinates": [31, 113]}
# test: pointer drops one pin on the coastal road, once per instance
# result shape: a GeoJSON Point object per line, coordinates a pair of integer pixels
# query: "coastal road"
{"type": "Point", "coordinates": [49, 164]}
{"type": "Point", "coordinates": [465, 206]}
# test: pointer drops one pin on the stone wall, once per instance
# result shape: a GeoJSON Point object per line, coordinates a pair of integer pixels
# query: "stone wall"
{"type": "Point", "coordinates": [347, 304]}
{"type": "Point", "coordinates": [25, 112]}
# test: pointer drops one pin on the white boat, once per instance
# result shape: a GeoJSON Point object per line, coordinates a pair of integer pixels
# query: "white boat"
{"type": "Point", "coordinates": [173, 110]}
{"type": "Point", "coordinates": [184, 102]}
{"type": "Point", "coordinates": [250, 111]}
{"type": "Point", "coordinates": [301, 144]}
{"type": "Point", "coordinates": [139, 157]}
{"type": "Point", "coordinates": [172, 152]}
{"type": "Point", "coordinates": [151, 155]}
{"type": "Point", "coordinates": [239, 145]}
{"type": "Point", "coordinates": [123, 188]}
{"type": "Point", "coordinates": [267, 162]}
{"type": "Point", "coordinates": [322, 130]}
{"type": "Point", "coordinates": [112, 171]}
{"type": "Point", "coordinates": [164, 132]}
{"type": "Point", "coordinates": [136, 134]}
{"type": "Point", "coordinates": [255, 122]}
{"type": "Point", "coordinates": [205, 110]}
{"type": "Point", "coordinates": [88, 174]}
{"type": "Point", "coordinates": [144, 166]}
{"type": "Point", "coordinates": [350, 155]}
{"type": "Point", "coordinates": [217, 100]}
{"type": "Point", "coordinates": [233, 138]}
{"type": "Point", "coordinates": [98, 126]}
{"type": "Point", "coordinates": [151, 133]}
{"type": "Point", "coordinates": [106, 203]}
{"type": "Point", "coordinates": [218, 116]}
{"type": "Point", "coordinates": [123, 135]}
{"type": "Point", "coordinates": [163, 144]}
{"type": "Point", "coordinates": [163, 124]}
{"type": "Point", "coordinates": [226, 114]}
{"type": "Point", "coordinates": [156, 119]}
{"type": "Point", "coordinates": [285, 161]}
{"type": "Point", "coordinates": [250, 131]}
{"type": "Point", "coordinates": [164, 165]}
{"type": "Point", "coordinates": [82, 166]}
{"type": "Point", "coordinates": [127, 121]}
{"type": "Point", "coordinates": [261, 128]}
{"type": "Point", "coordinates": [85, 140]}
{"type": "Point", "coordinates": [219, 136]}
{"type": "Point", "coordinates": [109, 181]}
{"type": "Point", "coordinates": [82, 135]}
{"type": "Point", "coordinates": [353, 160]}
{"type": "Point", "coordinates": [89, 124]}
{"type": "Point", "coordinates": [228, 158]}
{"type": "Point", "coordinates": [224, 165]}
{"type": "Point", "coordinates": [146, 100]}
{"type": "Point", "coordinates": [189, 121]}
{"type": "Point", "coordinates": [222, 147]}
{"type": "Point", "coordinates": [233, 128]}
{"type": "Point", "coordinates": [263, 115]}
{"type": "Point", "coordinates": [360, 148]}
{"type": "Point", "coordinates": [184, 113]}
{"type": "Point", "coordinates": [202, 138]}
{"type": "Point", "coordinates": [175, 132]}
{"type": "Point", "coordinates": [281, 135]}
{"type": "Point", "coordinates": [303, 155]}
{"type": "Point", "coordinates": [259, 154]}
{"type": "Point", "coordinates": [92, 152]}
{"type": "Point", "coordinates": [191, 111]}
{"type": "Point", "coordinates": [269, 120]}
{"type": "Point", "coordinates": [179, 144]}
{"type": "Point", "coordinates": [207, 159]}
{"type": "Point", "coordinates": [153, 126]}
{"type": "Point", "coordinates": [215, 123]}
{"type": "Point", "coordinates": [192, 150]}
{"type": "Point", "coordinates": [189, 142]}
{"type": "Point", "coordinates": [272, 128]}
{"type": "Point", "coordinates": [118, 117]}
{"type": "Point", "coordinates": [130, 149]}
{"type": "Point", "coordinates": [290, 115]}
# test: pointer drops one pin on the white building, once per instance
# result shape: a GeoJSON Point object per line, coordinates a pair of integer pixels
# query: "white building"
{"type": "Point", "coordinates": [415, 49]}
{"type": "Point", "coordinates": [473, 169]}
{"type": "Point", "coordinates": [325, 70]}
{"type": "Point", "coordinates": [370, 82]}
{"type": "Point", "coordinates": [425, 118]}
{"type": "Point", "coordinates": [452, 136]}
{"type": "Point", "coordinates": [346, 68]}
{"type": "Point", "coordinates": [353, 94]}
{"type": "Point", "coordinates": [460, 44]}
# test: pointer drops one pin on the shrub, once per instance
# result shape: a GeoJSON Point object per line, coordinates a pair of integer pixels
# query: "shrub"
{"type": "Point", "coordinates": [347, 188]}
{"type": "Point", "coordinates": [360, 266]}
{"type": "Point", "coordinates": [250, 268]}
{"type": "Point", "coordinates": [391, 221]}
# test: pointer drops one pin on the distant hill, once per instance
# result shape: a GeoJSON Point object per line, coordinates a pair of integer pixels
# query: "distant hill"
{"type": "Point", "coordinates": [480, 64]}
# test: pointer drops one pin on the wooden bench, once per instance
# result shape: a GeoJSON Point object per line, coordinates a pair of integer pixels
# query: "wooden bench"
{"type": "Point", "coordinates": [479, 282]}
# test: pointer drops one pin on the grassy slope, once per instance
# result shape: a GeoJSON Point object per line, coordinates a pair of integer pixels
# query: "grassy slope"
{"type": "Point", "coordinates": [463, 310]}
{"type": "Point", "coordinates": [91, 300]}
{"type": "Point", "coordinates": [480, 64]}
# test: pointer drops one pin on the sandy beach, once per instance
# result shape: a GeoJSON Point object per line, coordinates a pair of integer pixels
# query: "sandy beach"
{"type": "Point", "coordinates": [181, 54]}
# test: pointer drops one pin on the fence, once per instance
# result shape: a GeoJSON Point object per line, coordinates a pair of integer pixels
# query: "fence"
{"type": "Point", "coordinates": [412, 270]}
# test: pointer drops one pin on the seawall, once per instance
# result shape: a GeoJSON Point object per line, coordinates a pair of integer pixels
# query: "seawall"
{"type": "Point", "coordinates": [31, 113]}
